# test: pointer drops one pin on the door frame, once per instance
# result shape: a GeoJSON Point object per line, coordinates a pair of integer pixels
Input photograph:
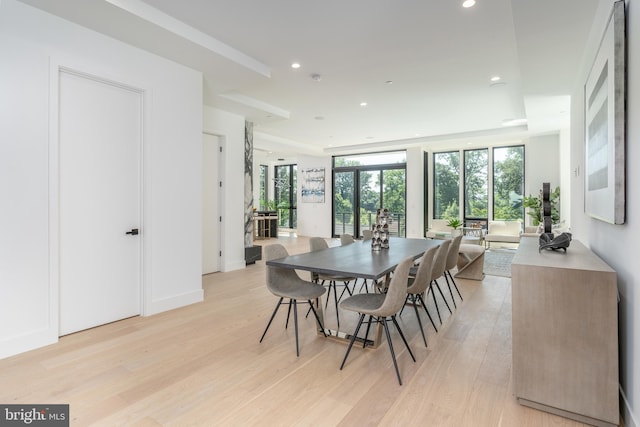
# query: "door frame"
{"type": "Point", "coordinates": [55, 68]}
{"type": "Point", "coordinates": [220, 165]}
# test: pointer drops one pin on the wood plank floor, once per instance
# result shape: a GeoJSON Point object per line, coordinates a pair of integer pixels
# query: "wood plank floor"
{"type": "Point", "coordinates": [202, 365]}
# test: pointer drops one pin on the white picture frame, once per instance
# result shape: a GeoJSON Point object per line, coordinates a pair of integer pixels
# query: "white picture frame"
{"type": "Point", "coordinates": [605, 113]}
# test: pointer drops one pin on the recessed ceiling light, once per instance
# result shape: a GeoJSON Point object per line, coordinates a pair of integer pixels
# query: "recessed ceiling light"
{"type": "Point", "coordinates": [363, 104]}
{"type": "Point", "coordinates": [468, 3]}
{"type": "Point", "coordinates": [389, 82]}
{"type": "Point", "coordinates": [295, 65]}
{"type": "Point", "coordinates": [495, 78]}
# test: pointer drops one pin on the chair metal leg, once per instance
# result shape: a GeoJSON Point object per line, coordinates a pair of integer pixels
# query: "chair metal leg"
{"type": "Point", "coordinates": [393, 354]}
{"type": "Point", "coordinates": [332, 284]}
{"type": "Point", "coordinates": [346, 289]}
{"type": "Point", "coordinates": [364, 285]}
{"type": "Point", "coordinates": [442, 295]}
{"type": "Point", "coordinates": [435, 301]}
{"type": "Point", "coordinates": [366, 334]}
{"type": "Point", "coordinates": [353, 338]}
{"type": "Point", "coordinates": [406, 300]}
{"type": "Point", "coordinates": [286, 325]}
{"type": "Point", "coordinates": [336, 299]}
{"type": "Point", "coordinates": [446, 277]}
{"type": "Point", "coordinates": [455, 285]}
{"type": "Point", "coordinates": [415, 307]}
{"type": "Point", "coordinates": [315, 313]}
{"type": "Point", "coordinates": [295, 320]}
{"type": "Point", "coordinates": [395, 322]}
{"type": "Point", "coordinates": [424, 305]}
{"type": "Point", "coordinates": [272, 316]}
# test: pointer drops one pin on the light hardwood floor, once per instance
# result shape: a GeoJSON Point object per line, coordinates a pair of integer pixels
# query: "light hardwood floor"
{"type": "Point", "coordinates": [202, 365]}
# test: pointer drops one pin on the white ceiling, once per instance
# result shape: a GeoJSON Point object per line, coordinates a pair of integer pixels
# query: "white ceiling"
{"type": "Point", "coordinates": [439, 56]}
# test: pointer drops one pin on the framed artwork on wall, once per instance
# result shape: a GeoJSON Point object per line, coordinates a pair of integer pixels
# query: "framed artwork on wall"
{"type": "Point", "coordinates": [312, 185]}
{"type": "Point", "coordinates": [605, 114]}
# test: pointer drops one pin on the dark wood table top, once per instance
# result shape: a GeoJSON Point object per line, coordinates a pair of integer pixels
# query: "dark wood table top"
{"type": "Point", "coordinates": [357, 259]}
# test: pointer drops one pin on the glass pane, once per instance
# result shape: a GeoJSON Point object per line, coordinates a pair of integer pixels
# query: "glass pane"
{"type": "Point", "coordinates": [286, 178]}
{"type": "Point", "coordinates": [294, 197]}
{"type": "Point", "coordinates": [446, 179]}
{"type": "Point", "coordinates": [343, 202]}
{"type": "Point", "coordinates": [371, 159]}
{"type": "Point", "coordinates": [263, 187]}
{"type": "Point", "coordinates": [283, 193]}
{"type": "Point", "coordinates": [476, 181]}
{"type": "Point", "coordinates": [393, 198]}
{"type": "Point", "coordinates": [508, 183]}
{"type": "Point", "coordinates": [369, 198]}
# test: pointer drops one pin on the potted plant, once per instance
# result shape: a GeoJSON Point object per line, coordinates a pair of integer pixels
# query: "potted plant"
{"type": "Point", "coordinates": [534, 204]}
{"type": "Point", "coordinates": [268, 205]}
{"type": "Point", "coordinates": [454, 223]}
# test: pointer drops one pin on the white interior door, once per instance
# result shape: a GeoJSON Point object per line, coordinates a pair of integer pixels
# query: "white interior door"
{"type": "Point", "coordinates": [210, 203]}
{"type": "Point", "coordinates": [100, 139]}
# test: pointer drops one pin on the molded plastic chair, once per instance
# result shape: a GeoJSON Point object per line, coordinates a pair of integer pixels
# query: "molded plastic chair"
{"type": "Point", "coordinates": [452, 261]}
{"type": "Point", "coordinates": [419, 284]}
{"type": "Point", "coordinates": [383, 307]}
{"type": "Point", "coordinates": [345, 239]}
{"type": "Point", "coordinates": [439, 267]}
{"type": "Point", "coordinates": [285, 283]}
{"type": "Point", "coordinates": [317, 244]}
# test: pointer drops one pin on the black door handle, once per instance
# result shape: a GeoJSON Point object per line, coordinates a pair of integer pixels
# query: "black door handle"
{"type": "Point", "coordinates": [133, 232]}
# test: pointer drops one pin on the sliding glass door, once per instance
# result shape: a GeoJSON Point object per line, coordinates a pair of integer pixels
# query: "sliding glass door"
{"type": "Point", "coordinates": [343, 202]}
{"type": "Point", "coordinates": [285, 195]}
{"type": "Point", "coordinates": [361, 187]}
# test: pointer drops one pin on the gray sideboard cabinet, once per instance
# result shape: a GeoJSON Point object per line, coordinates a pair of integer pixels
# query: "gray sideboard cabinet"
{"type": "Point", "coordinates": [565, 333]}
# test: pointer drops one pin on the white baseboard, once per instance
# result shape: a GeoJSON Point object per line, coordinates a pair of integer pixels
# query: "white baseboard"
{"type": "Point", "coordinates": [177, 301]}
{"type": "Point", "coordinates": [236, 265]}
{"type": "Point", "coordinates": [26, 342]}
{"type": "Point", "coordinates": [626, 413]}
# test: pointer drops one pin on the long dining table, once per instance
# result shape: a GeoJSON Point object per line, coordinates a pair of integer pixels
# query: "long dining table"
{"type": "Point", "coordinates": [356, 260]}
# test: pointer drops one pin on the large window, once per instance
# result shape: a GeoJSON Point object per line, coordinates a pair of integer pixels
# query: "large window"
{"type": "Point", "coordinates": [476, 185]}
{"type": "Point", "coordinates": [498, 198]}
{"type": "Point", "coordinates": [285, 195]}
{"type": "Point", "coordinates": [446, 185]}
{"type": "Point", "coordinates": [264, 191]}
{"type": "Point", "coordinates": [364, 183]}
{"type": "Point", "coordinates": [508, 183]}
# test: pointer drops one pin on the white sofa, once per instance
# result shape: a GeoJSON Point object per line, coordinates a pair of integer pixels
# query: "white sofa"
{"type": "Point", "coordinates": [503, 231]}
{"type": "Point", "coordinates": [439, 229]}
{"type": "Point", "coordinates": [536, 230]}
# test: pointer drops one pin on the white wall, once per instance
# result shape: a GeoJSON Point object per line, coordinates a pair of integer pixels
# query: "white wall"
{"type": "Point", "coordinates": [32, 45]}
{"type": "Point", "coordinates": [542, 164]}
{"type": "Point", "coordinates": [617, 245]}
{"type": "Point", "coordinates": [314, 219]}
{"type": "Point", "coordinates": [230, 127]}
{"type": "Point", "coordinates": [415, 193]}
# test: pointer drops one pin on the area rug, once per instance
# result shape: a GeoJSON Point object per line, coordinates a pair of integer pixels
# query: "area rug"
{"type": "Point", "coordinates": [498, 262]}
